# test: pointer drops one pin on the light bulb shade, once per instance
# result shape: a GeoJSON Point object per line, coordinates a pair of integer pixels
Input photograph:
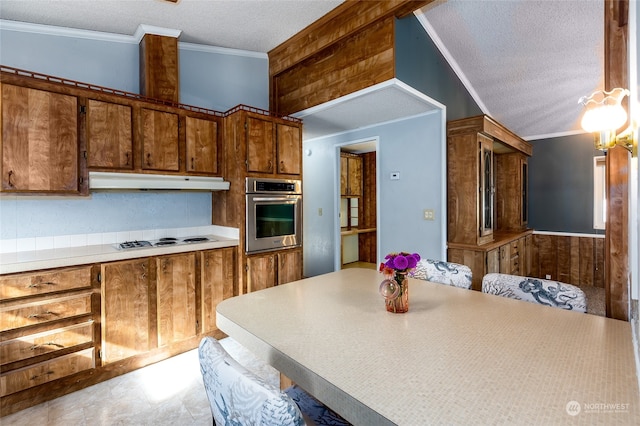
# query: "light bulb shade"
{"type": "Point", "coordinates": [604, 111]}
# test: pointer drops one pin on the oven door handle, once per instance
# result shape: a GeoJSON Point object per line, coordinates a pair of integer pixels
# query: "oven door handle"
{"type": "Point", "coordinates": [273, 199]}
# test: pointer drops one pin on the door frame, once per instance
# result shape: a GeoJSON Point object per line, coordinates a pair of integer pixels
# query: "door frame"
{"type": "Point", "coordinates": [337, 260]}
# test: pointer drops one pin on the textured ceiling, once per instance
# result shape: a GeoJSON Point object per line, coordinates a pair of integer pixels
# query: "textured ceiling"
{"type": "Point", "coordinates": [384, 102]}
{"type": "Point", "coordinates": [525, 62]}
{"type": "Point", "coordinates": [255, 25]}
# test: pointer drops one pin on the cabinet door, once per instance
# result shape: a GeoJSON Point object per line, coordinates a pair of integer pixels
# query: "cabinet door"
{"type": "Point", "coordinates": [202, 145]}
{"type": "Point", "coordinates": [289, 149]}
{"type": "Point", "coordinates": [486, 189]}
{"type": "Point", "coordinates": [505, 259]}
{"type": "Point", "coordinates": [493, 261]}
{"type": "Point", "coordinates": [355, 176]}
{"type": "Point", "coordinates": [217, 279]}
{"type": "Point", "coordinates": [260, 145]}
{"type": "Point", "coordinates": [159, 140]}
{"type": "Point", "coordinates": [39, 141]}
{"type": "Point", "coordinates": [261, 272]}
{"type": "Point", "coordinates": [344, 176]}
{"type": "Point", "coordinates": [176, 297]}
{"type": "Point", "coordinates": [109, 135]}
{"type": "Point", "coordinates": [289, 266]}
{"type": "Point", "coordinates": [125, 309]}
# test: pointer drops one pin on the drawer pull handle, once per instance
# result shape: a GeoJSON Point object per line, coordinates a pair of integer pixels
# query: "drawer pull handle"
{"type": "Point", "coordinates": [37, 285]}
{"type": "Point", "coordinates": [57, 345]}
{"type": "Point", "coordinates": [48, 373]}
{"type": "Point", "coordinates": [42, 314]}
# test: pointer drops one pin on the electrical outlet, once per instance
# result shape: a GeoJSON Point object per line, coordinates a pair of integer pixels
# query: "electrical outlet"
{"type": "Point", "coordinates": [429, 214]}
{"type": "Point", "coordinates": [548, 277]}
{"type": "Point", "coordinates": [320, 211]}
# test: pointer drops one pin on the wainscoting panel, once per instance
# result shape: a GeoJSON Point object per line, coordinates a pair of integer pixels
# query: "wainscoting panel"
{"type": "Point", "coordinates": [569, 259]}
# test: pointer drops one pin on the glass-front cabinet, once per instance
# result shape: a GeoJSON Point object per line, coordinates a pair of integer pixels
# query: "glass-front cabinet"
{"type": "Point", "coordinates": [486, 188]}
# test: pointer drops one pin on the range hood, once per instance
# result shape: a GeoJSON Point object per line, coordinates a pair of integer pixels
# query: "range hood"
{"type": "Point", "coordinates": [122, 181]}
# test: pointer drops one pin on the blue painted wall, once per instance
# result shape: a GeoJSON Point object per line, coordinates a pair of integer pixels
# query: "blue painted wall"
{"type": "Point", "coordinates": [428, 71]}
{"type": "Point", "coordinates": [208, 78]}
{"type": "Point", "coordinates": [561, 184]}
{"type": "Point", "coordinates": [413, 147]}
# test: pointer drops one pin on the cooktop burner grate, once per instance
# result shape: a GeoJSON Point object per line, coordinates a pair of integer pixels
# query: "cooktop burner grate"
{"type": "Point", "coordinates": [134, 244]}
{"type": "Point", "coordinates": [195, 239]}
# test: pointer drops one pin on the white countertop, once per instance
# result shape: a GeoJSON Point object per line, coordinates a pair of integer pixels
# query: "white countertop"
{"type": "Point", "coordinates": [457, 357]}
{"type": "Point", "coordinates": [23, 261]}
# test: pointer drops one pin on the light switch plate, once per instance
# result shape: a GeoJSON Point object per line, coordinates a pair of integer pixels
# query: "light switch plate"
{"type": "Point", "coordinates": [395, 176]}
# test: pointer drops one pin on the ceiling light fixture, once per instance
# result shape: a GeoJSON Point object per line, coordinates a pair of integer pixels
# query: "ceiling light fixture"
{"type": "Point", "coordinates": [604, 115]}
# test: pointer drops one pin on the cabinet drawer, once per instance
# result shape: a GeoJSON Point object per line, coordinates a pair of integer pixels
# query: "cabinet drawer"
{"type": "Point", "coordinates": [46, 371]}
{"type": "Point", "coordinates": [29, 284]}
{"type": "Point", "coordinates": [49, 341]}
{"type": "Point", "coordinates": [53, 309]}
{"type": "Point", "coordinates": [514, 248]}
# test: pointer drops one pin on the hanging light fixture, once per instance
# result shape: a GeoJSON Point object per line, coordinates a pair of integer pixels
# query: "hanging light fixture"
{"type": "Point", "coordinates": [604, 115]}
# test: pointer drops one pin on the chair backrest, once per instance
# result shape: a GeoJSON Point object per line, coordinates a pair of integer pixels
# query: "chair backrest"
{"type": "Point", "coordinates": [239, 397]}
{"type": "Point", "coordinates": [449, 273]}
{"type": "Point", "coordinates": [536, 290]}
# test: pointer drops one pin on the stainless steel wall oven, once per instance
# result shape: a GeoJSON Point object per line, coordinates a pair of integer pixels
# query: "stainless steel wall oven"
{"type": "Point", "coordinates": [274, 214]}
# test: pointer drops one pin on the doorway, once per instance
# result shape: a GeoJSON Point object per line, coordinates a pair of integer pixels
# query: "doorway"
{"type": "Point", "coordinates": [357, 218]}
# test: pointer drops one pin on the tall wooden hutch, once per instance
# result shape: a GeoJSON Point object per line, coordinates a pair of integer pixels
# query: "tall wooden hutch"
{"type": "Point", "coordinates": [487, 179]}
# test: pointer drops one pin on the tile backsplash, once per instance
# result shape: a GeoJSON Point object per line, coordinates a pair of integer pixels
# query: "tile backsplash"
{"type": "Point", "coordinates": [81, 240]}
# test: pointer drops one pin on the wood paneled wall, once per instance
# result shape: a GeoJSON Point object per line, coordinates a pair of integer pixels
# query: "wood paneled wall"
{"type": "Point", "coordinates": [348, 49]}
{"type": "Point", "coordinates": [572, 260]}
{"type": "Point", "coordinates": [367, 246]}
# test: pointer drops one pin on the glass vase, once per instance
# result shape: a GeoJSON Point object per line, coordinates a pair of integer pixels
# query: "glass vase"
{"type": "Point", "coordinates": [400, 303]}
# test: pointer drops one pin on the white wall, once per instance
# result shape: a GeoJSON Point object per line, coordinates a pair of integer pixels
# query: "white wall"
{"type": "Point", "coordinates": [415, 148]}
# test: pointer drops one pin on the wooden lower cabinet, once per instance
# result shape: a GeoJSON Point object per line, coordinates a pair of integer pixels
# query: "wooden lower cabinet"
{"type": "Point", "coordinates": [47, 371]}
{"type": "Point", "coordinates": [64, 329]}
{"type": "Point", "coordinates": [508, 254]}
{"type": "Point", "coordinates": [274, 268]}
{"type": "Point", "coordinates": [176, 297]}
{"type": "Point", "coordinates": [47, 329]}
{"type": "Point", "coordinates": [125, 309]}
{"type": "Point", "coordinates": [217, 278]}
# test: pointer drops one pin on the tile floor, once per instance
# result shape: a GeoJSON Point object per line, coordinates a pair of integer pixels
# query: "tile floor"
{"type": "Point", "coordinates": [169, 392]}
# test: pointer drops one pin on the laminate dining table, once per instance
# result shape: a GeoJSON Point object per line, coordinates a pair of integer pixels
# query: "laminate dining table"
{"type": "Point", "coordinates": [456, 357]}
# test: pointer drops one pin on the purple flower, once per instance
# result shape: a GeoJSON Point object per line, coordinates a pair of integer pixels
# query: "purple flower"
{"type": "Point", "coordinates": [412, 261]}
{"type": "Point", "coordinates": [417, 256]}
{"type": "Point", "coordinates": [400, 262]}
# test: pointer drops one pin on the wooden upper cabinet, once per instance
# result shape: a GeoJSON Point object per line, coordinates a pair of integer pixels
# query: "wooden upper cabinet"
{"type": "Point", "coordinates": [176, 296]}
{"type": "Point", "coordinates": [160, 140]}
{"type": "Point", "coordinates": [350, 175]}
{"type": "Point", "coordinates": [40, 144]}
{"type": "Point", "coordinates": [109, 135]}
{"type": "Point", "coordinates": [125, 309]}
{"type": "Point", "coordinates": [289, 144]}
{"type": "Point", "coordinates": [511, 191]}
{"type": "Point", "coordinates": [202, 145]}
{"type": "Point", "coordinates": [260, 145]}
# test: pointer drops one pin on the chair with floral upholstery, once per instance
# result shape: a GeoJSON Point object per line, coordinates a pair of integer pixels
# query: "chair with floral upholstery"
{"type": "Point", "coordinates": [536, 290]}
{"type": "Point", "coordinates": [449, 273]}
{"type": "Point", "coordinates": [239, 397]}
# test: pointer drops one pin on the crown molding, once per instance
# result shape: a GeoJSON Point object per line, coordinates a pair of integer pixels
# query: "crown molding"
{"type": "Point", "coordinates": [221, 50]}
{"type": "Point", "coordinates": [144, 29]}
{"type": "Point", "coordinates": [28, 27]}
{"type": "Point", "coordinates": [554, 135]}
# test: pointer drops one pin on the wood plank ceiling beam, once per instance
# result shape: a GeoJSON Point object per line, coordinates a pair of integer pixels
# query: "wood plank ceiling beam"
{"type": "Point", "coordinates": [617, 168]}
{"type": "Point", "coordinates": [351, 23]}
